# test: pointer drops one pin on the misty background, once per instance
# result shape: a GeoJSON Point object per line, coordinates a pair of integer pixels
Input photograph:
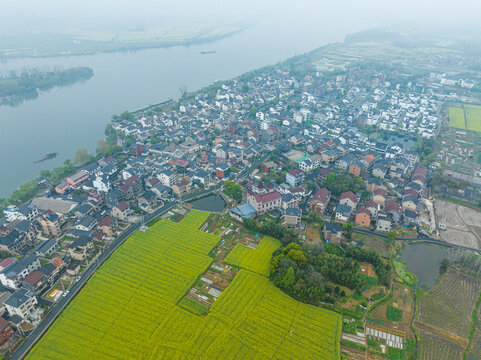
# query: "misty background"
{"type": "Point", "coordinates": [296, 19]}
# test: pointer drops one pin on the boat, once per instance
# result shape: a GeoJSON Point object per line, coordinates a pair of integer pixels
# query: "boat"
{"type": "Point", "coordinates": [47, 157]}
{"type": "Point", "coordinates": [208, 52]}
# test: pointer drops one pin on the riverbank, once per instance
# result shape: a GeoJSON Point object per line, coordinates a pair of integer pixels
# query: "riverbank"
{"type": "Point", "coordinates": [84, 42]}
{"type": "Point", "coordinates": [15, 88]}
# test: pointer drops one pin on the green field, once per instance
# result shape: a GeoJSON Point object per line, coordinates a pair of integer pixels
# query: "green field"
{"type": "Point", "coordinates": [456, 118]}
{"type": "Point", "coordinates": [257, 260]}
{"type": "Point", "coordinates": [394, 314]}
{"type": "Point", "coordinates": [473, 117]}
{"type": "Point", "coordinates": [128, 309]}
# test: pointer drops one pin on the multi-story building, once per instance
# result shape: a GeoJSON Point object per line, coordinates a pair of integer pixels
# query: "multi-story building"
{"type": "Point", "coordinates": [6, 331]}
{"type": "Point", "coordinates": [21, 303]}
{"type": "Point", "coordinates": [295, 177]}
{"type": "Point", "coordinates": [264, 202]}
{"type": "Point", "coordinates": [52, 223]}
{"type": "Point", "coordinates": [14, 273]}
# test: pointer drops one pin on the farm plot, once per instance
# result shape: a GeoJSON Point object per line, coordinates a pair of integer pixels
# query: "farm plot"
{"type": "Point", "coordinates": [456, 118]}
{"type": "Point", "coordinates": [195, 219]}
{"type": "Point", "coordinates": [129, 308]}
{"type": "Point", "coordinates": [473, 117]}
{"type": "Point", "coordinates": [433, 347]}
{"type": "Point", "coordinates": [437, 313]}
{"type": "Point", "coordinates": [459, 290]}
{"type": "Point", "coordinates": [257, 260]}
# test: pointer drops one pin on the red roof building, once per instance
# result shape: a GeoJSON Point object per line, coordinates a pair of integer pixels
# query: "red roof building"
{"type": "Point", "coordinates": [264, 202]}
{"type": "Point", "coordinates": [6, 331]}
{"type": "Point", "coordinates": [363, 217]}
{"type": "Point", "coordinates": [320, 200]}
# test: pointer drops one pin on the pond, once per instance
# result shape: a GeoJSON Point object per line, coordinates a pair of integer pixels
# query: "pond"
{"type": "Point", "coordinates": [212, 203]}
{"type": "Point", "coordinates": [424, 260]}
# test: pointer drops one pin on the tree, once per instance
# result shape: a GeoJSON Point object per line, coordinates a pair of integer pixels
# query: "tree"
{"type": "Point", "coordinates": [101, 147]}
{"type": "Point", "coordinates": [234, 190]}
{"type": "Point", "coordinates": [127, 116]}
{"type": "Point", "coordinates": [46, 174]}
{"type": "Point", "coordinates": [81, 156]}
{"type": "Point", "coordinates": [289, 278]}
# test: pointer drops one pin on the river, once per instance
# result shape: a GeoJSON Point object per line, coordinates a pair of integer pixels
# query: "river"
{"type": "Point", "coordinates": [66, 119]}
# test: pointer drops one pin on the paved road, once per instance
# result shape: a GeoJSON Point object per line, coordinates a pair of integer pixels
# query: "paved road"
{"type": "Point", "coordinates": [420, 238]}
{"type": "Point", "coordinates": [57, 308]}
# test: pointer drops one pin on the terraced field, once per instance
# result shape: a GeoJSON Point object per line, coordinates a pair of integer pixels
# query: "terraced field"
{"type": "Point", "coordinates": [435, 348]}
{"type": "Point", "coordinates": [256, 260]}
{"type": "Point", "coordinates": [444, 316]}
{"type": "Point", "coordinates": [128, 309]}
{"type": "Point", "coordinates": [455, 283]}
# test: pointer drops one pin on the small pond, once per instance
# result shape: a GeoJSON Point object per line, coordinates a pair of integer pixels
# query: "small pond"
{"type": "Point", "coordinates": [212, 203]}
{"type": "Point", "coordinates": [424, 260]}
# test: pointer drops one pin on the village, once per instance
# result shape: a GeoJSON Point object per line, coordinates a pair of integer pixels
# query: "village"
{"type": "Point", "coordinates": [352, 148]}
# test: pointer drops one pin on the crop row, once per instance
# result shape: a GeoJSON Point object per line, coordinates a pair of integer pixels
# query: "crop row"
{"type": "Point", "coordinates": [257, 260]}
{"type": "Point", "coordinates": [459, 290]}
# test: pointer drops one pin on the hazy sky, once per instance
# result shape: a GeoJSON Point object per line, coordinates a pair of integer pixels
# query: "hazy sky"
{"type": "Point", "coordinates": [305, 15]}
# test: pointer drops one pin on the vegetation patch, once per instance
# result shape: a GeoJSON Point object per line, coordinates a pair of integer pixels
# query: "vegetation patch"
{"type": "Point", "coordinates": [473, 117]}
{"type": "Point", "coordinates": [193, 306]}
{"type": "Point", "coordinates": [456, 118]}
{"type": "Point", "coordinates": [394, 314]}
{"type": "Point", "coordinates": [256, 260]}
{"type": "Point", "coordinates": [403, 273]}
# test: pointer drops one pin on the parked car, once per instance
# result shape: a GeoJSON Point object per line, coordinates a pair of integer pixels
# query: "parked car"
{"type": "Point", "coordinates": [65, 293]}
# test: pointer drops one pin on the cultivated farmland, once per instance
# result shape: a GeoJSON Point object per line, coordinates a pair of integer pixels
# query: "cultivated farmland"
{"type": "Point", "coordinates": [473, 117]}
{"type": "Point", "coordinates": [433, 347]}
{"type": "Point", "coordinates": [256, 260]}
{"type": "Point", "coordinates": [439, 314]}
{"type": "Point", "coordinates": [128, 309]}
{"type": "Point", "coordinates": [459, 290]}
{"type": "Point", "coordinates": [456, 118]}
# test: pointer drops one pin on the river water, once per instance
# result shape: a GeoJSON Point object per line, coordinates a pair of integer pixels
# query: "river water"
{"type": "Point", "coordinates": [66, 119]}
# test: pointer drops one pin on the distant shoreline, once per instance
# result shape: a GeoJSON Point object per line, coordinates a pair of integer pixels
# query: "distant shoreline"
{"type": "Point", "coordinates": [121, 47]}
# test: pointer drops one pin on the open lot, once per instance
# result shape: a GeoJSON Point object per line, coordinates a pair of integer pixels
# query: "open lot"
{"type": "Point", "coordinates": [462, 224]}
{"type": "Point", "coordinates": [128, 309]}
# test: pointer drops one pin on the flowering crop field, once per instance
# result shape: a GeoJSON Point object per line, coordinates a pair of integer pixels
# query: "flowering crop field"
{"type": "Point", "coordinates": [256, 260]}
{"type": "Point", "coordinates": [456, 118]}
{"type": "Point", "coordinates": [128, 309]}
